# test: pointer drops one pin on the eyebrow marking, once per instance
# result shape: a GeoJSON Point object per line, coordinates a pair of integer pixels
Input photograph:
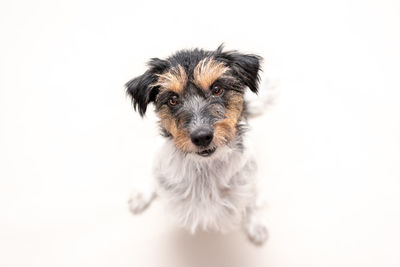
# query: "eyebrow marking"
{"type": "Point", "coordinates": [207, 72]}
{"type": "Point", "coordinates": [174, 80]}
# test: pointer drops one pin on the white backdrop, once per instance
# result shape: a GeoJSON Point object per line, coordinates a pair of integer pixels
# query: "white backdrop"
{"type": "Point", "coordinates": [71, 146]}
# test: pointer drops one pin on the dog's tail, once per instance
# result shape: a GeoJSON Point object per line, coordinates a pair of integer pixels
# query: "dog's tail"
{"type": "Point", "coordinates": [265, 99]}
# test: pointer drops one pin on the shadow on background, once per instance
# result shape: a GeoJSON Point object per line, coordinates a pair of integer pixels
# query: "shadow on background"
{"type": "Point", "coordinates": [213, 249]}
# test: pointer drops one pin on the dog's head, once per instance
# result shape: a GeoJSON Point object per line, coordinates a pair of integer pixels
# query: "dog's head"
{"type": "Point", "coordinates": [198, 95]}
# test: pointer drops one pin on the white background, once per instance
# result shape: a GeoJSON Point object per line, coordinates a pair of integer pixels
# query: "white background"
{"type": "Point", "coordinates": [71, 146]}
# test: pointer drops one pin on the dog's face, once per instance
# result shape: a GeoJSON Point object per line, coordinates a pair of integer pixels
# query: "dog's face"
{"type": "Point", "coordinates": [198, 96]}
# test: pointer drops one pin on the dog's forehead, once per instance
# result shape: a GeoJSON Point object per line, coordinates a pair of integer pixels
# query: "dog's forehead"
{"type": "Point", "coordinates": [191, 68]}
{"type": "Point", "coordinates": [188, 59]}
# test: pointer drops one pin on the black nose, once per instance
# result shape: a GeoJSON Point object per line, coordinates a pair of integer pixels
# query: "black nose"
{"type": "Point", "coordinates": [202, 137]}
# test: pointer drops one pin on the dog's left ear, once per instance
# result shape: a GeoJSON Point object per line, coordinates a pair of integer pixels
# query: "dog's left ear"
{"type": "Point", "coordinates": [245, 66]}
{"type": "Point", "coordinates": [141, 88]}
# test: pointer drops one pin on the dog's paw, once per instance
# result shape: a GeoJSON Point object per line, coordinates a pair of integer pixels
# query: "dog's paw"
{"type": "Point", "coordinates": [257, 233]}
{"type": "Point", "coordinates": [139, 201]}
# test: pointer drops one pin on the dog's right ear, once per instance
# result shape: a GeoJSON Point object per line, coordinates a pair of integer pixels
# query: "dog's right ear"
{"type": "Point", "coordinates": [141, 88]}
{"type": "Point", "coordinates": [244, 66]}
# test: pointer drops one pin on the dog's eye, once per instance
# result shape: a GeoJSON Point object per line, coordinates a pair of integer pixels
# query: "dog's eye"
{"type": "Point", "coordinates": [173, 100]}
{"type": "Point", "coordinates": [217, 90]}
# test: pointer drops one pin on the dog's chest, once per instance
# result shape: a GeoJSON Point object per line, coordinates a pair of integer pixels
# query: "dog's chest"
{"type": "Point", "coordinates": [207, 193]}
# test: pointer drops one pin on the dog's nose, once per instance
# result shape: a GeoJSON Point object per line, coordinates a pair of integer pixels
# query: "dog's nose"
{"type": "Point", "coordinates": [202, 137]}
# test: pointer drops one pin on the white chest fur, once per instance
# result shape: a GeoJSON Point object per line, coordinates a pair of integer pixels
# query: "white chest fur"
{"type": "Point", "coordinates": [211, 193]}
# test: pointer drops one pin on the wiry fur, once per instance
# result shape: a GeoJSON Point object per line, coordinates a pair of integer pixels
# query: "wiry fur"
{"type": "Point", "coordinates": [211, 186]}
{"type": "Point", "coordinates": [209, 193]}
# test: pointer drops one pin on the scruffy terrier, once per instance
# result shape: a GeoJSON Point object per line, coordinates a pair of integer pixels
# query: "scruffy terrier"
{"type": "Point", "coordinates": [205, 169]}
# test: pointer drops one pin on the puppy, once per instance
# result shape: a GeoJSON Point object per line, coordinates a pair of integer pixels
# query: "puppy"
{"type": "Point", "coordinates": [205, 170]}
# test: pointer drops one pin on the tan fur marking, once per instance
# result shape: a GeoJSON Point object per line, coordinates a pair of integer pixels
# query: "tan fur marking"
{"type": "Point", "coordinates": [207, 72]}
{"type": "Point", "coordinates": [174, 80]}
{"type": "Point", "coordinates": [225, 129]}
{"type": "Point", "coordinates": [180, 136]}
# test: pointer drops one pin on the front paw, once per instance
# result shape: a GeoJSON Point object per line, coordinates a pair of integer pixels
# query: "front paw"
{"type": "Point", "coordinates": [257, 233]}
{"type": "Point", "coordinates": [139, 201]}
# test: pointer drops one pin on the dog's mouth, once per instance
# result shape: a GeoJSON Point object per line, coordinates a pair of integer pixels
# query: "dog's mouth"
{"type": "Point", "coordinates": [207, 152]}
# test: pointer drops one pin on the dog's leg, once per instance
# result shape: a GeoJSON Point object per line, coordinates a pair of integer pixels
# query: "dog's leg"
{"type": "Point", "coordinates": [141, 199]}
{"type": "Point", "coordinates": [254, 225]}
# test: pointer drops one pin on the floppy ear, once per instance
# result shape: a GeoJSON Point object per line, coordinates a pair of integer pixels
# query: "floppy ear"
{"type": "Point", "coordinates": [245, 66]}
{"type": "Point", "coordinates": [141, 88]}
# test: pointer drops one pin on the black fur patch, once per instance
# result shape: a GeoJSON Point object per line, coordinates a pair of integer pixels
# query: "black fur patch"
{"type": "Point", "coordinates": [141, 89]}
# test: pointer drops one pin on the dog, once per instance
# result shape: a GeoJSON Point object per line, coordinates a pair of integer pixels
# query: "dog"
{"type": "Point", "coordinates": [205, 170]}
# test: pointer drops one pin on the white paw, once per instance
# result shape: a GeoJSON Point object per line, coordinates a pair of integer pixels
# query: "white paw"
{"type": "Point", "coordinates": [139, 201]}
{"type": "Point", "coordinates": [257, 233]}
